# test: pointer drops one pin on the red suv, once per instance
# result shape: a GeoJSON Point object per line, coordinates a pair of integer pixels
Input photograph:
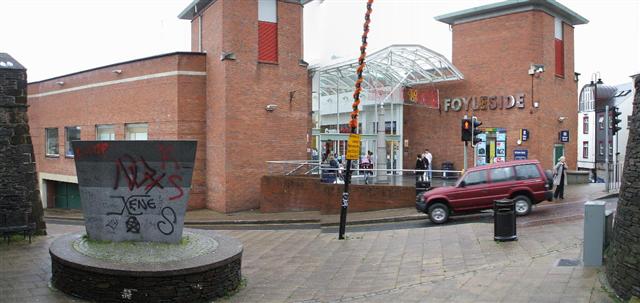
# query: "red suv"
{"type": "Point", "coordinates": [523, 180]}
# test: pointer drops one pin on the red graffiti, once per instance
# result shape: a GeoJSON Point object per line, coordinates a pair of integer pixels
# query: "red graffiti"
{"type": "Point", "coordinates": [172, 180]}
{"type": "Point", "coordinates": [138, 173]}
{"type": "Point", "coordinates": [129, 166]}
{"type": "Point", "coordinates": [166, 152]}
{"type": "Point", "coordinates": [98, 149]}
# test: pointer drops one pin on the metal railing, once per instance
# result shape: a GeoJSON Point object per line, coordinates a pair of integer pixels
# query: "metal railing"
{"type": "Point", "coordinates": [315, 168]}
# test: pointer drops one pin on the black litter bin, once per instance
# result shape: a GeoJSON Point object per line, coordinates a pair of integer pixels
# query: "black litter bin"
{"type": "Point", "coordinates": [504, 220]}
{"type": "Point", "coordinates": [447, 165]}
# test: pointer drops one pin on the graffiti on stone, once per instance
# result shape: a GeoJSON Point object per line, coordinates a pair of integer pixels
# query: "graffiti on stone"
{"type": "Point", "coordinates": [134, 190]}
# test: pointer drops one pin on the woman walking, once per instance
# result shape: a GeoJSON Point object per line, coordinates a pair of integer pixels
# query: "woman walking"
{"type": "Point", "coordinates": [560, 177]}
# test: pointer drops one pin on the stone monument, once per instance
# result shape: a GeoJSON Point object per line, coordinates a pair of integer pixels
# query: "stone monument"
{"type": "Point", "coordinates": [134, 198]}
{"type": "Point", "coordinates": [19, 194]}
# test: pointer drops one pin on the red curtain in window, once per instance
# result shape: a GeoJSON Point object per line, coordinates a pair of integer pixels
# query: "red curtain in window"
{"type": "Point", "coordinates": [559, 58]}
{"type": "Point", "coordinates": [267, 41]}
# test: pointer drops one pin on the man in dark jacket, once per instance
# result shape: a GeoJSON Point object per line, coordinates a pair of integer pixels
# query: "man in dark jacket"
{"type": "Point", "coordinates": [419, 166]}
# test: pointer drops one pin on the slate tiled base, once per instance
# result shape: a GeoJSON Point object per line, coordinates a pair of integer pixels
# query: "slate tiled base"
{"type": "Point", "coordinates": [198, 279]}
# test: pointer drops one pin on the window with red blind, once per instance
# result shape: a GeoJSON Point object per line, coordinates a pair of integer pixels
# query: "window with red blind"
{"type": "Point", "coordinates": [267, 31]}
{"type": "Point", "coordinates": [559, 48]}
{"type": "Point", "coordinates": [267, 42]}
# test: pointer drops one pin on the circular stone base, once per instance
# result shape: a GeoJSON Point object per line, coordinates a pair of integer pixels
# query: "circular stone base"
{"type": "Point", "coordinates": [204, 266]}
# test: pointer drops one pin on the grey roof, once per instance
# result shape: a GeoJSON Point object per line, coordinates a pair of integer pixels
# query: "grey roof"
{"type": "Point", "coordinates": [7, 62]}
{"type": "Point", "coordinates": [512, 6]}
{"type": "Point", "coordinates": [624, 92]}
{"type": "Point", "coordinates": [196, 6]}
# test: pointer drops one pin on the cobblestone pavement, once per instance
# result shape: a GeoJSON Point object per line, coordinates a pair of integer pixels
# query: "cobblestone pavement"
{"type": "Point", "coordinates": [450, 263]}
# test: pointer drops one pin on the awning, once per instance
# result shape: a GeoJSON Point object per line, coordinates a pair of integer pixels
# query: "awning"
{"type": "Point", "coordinates": [406, 65]}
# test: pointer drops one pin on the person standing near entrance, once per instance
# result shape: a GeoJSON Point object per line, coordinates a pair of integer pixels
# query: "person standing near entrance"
{"type": "Point", "coordinates": [429, 158]}
{"type": "Point", "coordinates": [560, 177]}
{"type": "Point", "coordinates": [419, 166]}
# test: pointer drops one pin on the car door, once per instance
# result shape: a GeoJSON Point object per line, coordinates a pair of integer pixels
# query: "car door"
{"type": "Point", "coordinates": [473, 193]}
{"type": "Point", "coordinates": [502, 181]}
{"type": "Point", "coordinates": [531, 177]}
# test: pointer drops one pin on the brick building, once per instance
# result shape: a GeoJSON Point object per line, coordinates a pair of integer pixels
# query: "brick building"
{"type": "Point", "coordinates": [516, 65]}
{"type": "Point", "coordinates": [246, 58]}
{"type": "Point", "coordinates": [245, 94]}
{"type": "Point", "coordinates": [517, 58]}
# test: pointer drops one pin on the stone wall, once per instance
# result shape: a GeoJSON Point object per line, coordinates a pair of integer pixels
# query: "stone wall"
{"type": "Point", "coordinates": [18, 190]}
{"type": "Point", "coordinates": [623, 264]}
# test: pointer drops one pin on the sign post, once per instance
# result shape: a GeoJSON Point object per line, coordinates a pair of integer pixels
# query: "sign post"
{"type": "Point", "coordinates": [354, 121]}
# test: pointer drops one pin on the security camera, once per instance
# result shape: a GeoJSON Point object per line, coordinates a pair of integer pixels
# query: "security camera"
{"type": "Point", "coordinates": [271, 107]}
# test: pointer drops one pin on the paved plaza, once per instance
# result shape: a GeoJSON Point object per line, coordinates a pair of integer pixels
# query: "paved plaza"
{"type": "Point", "coordinates": [450, 263]}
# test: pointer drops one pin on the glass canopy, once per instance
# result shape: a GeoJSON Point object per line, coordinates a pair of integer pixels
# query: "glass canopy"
{"type": "Point", "coordinates": [405, 65]}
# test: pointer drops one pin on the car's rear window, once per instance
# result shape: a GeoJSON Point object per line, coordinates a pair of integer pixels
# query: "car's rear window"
{"type": "Point", "coordinates": [527, 171]}
{"type": "Point", "coordinates": [502, 174]}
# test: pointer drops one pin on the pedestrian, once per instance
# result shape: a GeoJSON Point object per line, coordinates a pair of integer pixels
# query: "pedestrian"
{"type": "Point", "coordinates": [419, 166]}
{"type": "Point", "coordinates": [366, 164]}
{"type": "Point", "coordinates": [334, 168]}
{"type": "Point", "coordinates": [560, 177]}
{"type": "Point", "coordinates": [429, 157]}
{"type": "Point", "coordinates": [340, 170]}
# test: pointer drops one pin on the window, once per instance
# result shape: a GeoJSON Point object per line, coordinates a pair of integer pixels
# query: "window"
{"type": "Point", "coordinates": [51, 142]}
{"type": "Point", "coordinates": [527, 171]}
{"type": "Point", "coordinates": [610, 148]}
{"type": "Point", "coordinates": [476, 177]}
{"type": "Point", "coordinates": [559, 48]}
{"type": "Point", "coordinates": [502, 174]}
{"type": "Point", "coordinates": [585, 124]}
{"type": "Point", "coordinates": [135, 131]}
{"type": "Point", "coordinates": [70, 133]}
{"type": "Point", "coordinates": [600, 148]}
{"type": "Point", "coordinates": [601, 122]}
{"type": "Point", "coordinates": [585, 149]}
{"type": "Point", "coordinates": [105, 132]}
{"type": "Point", "coordinates": [267, 31]}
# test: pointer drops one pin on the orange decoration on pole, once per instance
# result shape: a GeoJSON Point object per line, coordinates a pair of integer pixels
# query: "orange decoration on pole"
{"type": "Point", "coordinates": [354, 117]}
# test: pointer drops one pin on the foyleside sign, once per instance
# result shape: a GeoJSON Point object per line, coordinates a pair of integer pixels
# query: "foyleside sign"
{"type": "Point", "coordinates": [484, 103]}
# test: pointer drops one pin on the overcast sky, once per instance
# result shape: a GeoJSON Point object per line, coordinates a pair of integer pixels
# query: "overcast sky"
{"type": "Point", "coordinates": [57, 37]}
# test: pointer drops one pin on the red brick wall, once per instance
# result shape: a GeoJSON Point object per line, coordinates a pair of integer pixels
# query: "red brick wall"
{"type": "Point", "coordinates": [241, 134]}
{"type": "Point", "coordinates": [296, 193]}
{"type": "Point", "coordinates": [169, 105]}
{"type": "Point", "coordinates": [494, 56]}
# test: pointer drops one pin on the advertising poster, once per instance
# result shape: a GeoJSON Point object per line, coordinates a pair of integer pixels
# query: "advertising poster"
{"type": "Point", "coordinates": [481, 150]}
{"type": "Point", "coordinates": [500, 152]}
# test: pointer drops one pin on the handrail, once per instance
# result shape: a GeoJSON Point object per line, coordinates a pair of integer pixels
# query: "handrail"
{"type": "Point", "coordinates": [315, 165]}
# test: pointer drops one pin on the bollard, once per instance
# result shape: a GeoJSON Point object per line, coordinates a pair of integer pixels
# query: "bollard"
{"type": "Point", "coordinates": [593, 233]}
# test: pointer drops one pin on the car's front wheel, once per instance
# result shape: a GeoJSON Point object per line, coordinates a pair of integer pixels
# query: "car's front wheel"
{"type": "Point", "coordinates": [522, 205]}
{"type": "Point", "coordinates": [438, 213]}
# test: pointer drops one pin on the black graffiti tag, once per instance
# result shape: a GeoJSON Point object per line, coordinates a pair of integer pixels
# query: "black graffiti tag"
{"type": "Point", "coordinates": [170, 222]}
{"type": "Point", "coordinates": [134, 205]}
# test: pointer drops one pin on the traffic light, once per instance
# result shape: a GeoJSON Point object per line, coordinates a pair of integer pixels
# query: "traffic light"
{"type": "Point", "coordinates": [475, 131]}
{"type": "Point", "coordinates": [615, 120]}
{"type": "Point", "coordinates": [466, 129]}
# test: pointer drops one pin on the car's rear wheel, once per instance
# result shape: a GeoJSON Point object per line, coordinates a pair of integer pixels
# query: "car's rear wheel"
{"type": "Point", "coordinates": [522, 205]}
{"type": "Point", "coordinates": [438, 213]}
